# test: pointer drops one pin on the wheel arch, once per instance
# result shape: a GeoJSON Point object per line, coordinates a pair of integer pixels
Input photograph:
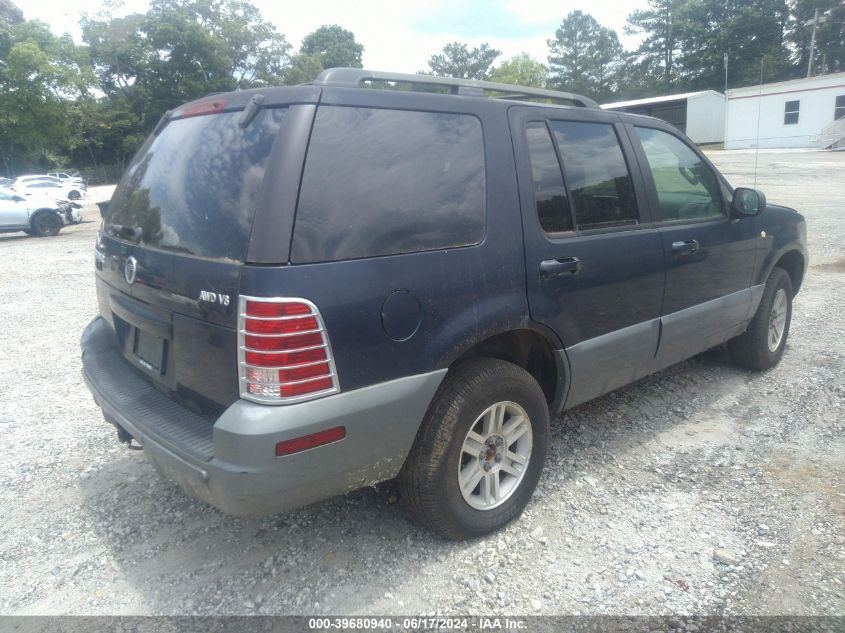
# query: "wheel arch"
{"type": "Point", "coordinates": [530, 348]}
{"type": "Point", "coordinates": [793, 262]}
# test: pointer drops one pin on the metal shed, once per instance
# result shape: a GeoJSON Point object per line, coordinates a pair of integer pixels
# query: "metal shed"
{"type": "Point", "coordinates": [700, 115]}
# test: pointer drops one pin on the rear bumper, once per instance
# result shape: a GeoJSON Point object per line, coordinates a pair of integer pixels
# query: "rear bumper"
{"type": "Point", "coordinates": [231, 463]}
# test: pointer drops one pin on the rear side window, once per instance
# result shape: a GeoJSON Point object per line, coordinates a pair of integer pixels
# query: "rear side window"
{"type": "Point", "coordinates": [193, 188]}
{"type": "Point", "coordinates": [549, 192]}
{"type": "Point", "coordinates": [384, 182]}
{"type": "Point", "coordinates": [599, 181]}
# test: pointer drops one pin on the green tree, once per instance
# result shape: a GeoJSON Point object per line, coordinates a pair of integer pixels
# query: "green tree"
{"type": "Point", "coordinates": [333, 46]}
{"type": "Point", "coordinates": [746, 31]}
{"type": "Point", "coordinates": [522, 70]}
{"type": "Point", "coordinates": [103, 132]}
{"type": "Point", "coordinates": [10, 15]}
{"type": "Point", "coordinates": [302, 69]}
{"type": "Point", "coordinates": [636, 79]}
{"type": "Point", "coordinates": [257, 53]}
{"type": "Point", "coordinates": [829, 50]}
{"type": "Point", "coordinates": [119, 52]}
{"type": "Point", "coordinates": [457, 60]}
{"type": "Point", "coordinates": [183, 49]}
{"type": "Point", "coordinates": [40, 74]}
{"type": "Point", "coordinates": [661, 26]}
{"type": "Point", "coordinates": [584, 56]}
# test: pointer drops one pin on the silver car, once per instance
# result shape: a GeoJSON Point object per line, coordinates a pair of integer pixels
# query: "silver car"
{"type": "Point", "coordinates": [37, 216]}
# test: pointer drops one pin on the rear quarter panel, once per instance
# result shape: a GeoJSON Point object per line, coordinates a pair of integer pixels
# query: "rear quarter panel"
{"type": "Point", "coordinates": [464, 294]}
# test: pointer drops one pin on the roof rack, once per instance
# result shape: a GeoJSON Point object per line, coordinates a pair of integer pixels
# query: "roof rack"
{"type": "Point", "coordinates": [359, 78]}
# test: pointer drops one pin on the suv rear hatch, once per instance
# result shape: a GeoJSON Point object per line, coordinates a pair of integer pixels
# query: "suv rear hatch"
{"type": "Point", "coordinates": [175, 238]}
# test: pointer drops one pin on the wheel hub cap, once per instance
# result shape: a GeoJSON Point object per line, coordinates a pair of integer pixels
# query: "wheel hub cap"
{"type": "Point", "coordinates": [777, 320]}
{"type": "Point", "coordinates": [495, 455]}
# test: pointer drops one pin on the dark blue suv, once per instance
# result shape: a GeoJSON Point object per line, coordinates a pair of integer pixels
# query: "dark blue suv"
{"type": "Point", "coordinates": [310, 289]}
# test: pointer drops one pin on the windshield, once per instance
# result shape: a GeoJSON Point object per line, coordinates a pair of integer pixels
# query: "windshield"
{"type": "Point", "coordinates": [193, 187]}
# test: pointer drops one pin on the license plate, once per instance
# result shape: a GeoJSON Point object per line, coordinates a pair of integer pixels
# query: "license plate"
{"type": "Point", "coordinates": [149, 350]}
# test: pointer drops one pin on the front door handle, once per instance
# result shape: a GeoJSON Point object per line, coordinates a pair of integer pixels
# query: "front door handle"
{"type": "Point", "coordinates": [560, 266]}
{"type": "Point", "coordinates": [687, 247]}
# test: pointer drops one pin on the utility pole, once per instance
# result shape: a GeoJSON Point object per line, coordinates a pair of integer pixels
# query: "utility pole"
{"type": "Point", "coordinates": [813, 44]}
{"type": "Point", "coordinates": [726, 71]}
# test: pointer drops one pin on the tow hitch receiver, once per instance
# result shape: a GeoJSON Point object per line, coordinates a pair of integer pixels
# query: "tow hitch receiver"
{"type": "Point", "coordinates": [127, 440]}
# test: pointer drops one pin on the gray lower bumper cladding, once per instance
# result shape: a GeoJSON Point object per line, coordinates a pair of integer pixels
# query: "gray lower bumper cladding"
{"type": "Point", "coordinates": [231, 462]}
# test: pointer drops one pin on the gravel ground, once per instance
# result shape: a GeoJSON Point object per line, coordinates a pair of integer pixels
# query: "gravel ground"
{"type": "Point", "coordinates": [704, 489]}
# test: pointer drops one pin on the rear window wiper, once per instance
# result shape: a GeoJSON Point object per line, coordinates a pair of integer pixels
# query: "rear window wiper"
{"type": "Point", "coordinates": [251, 110]}
{"type": "Point", "coordinates": [130, 233]}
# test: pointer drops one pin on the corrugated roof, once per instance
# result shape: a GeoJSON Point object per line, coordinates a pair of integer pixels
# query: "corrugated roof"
{"type": "Point", "coordinates": [663, 99]}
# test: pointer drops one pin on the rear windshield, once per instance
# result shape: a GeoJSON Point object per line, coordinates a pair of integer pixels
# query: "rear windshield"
{"type": "Point", "coordinates": [193, 188]}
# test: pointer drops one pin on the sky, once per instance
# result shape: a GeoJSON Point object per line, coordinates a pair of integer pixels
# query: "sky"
{"type": "Point", "coordinates": [401, 35]}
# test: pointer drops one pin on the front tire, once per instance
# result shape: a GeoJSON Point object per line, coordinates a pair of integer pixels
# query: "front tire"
{"type": "Point", "coordinates": [480, 450]}
{"type": "Point", "coordinates": [46, 224]}
{"type": "Point", "coordinates": [74, 195]}
{"type": "Point", "coordinates": [761, 346]}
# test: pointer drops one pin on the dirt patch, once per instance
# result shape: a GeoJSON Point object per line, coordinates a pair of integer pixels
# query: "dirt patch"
{"type": "Point", "coordinates": [832, 267]}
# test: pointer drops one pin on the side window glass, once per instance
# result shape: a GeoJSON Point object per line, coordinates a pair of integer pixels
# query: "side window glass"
{"type": "Point", "coordinates": [549, 192]}
{"type": "Point", "coordinates": [598, 177]}
{"type": "Point", "coordinates": [687, 189]}
{"type": "Point", "coordinates": [385, 182]}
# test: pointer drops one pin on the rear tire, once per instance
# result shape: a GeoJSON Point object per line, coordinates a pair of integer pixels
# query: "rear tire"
{"type": "Point", "coordinates": [74, 195]}
{"type": "Point", "coordinates": [45, 224]}
{"type": "Point", "coordinates": [761, 346]}
{"type": "Point", "coordinates": [488, 422]}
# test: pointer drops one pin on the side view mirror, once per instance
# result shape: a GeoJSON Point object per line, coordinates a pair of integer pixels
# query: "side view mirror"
{"type": "Point", "coordinates": [747, 202]}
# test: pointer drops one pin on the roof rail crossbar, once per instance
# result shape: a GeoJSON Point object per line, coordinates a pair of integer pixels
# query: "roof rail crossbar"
{"type": "Point", "coordinates": [358, 78]}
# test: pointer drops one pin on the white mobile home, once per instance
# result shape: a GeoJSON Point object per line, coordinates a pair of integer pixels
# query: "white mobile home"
{"type": "Point", "coordinates": [700, 115]}
{"type": "Point", "coordinates": [798, 113]}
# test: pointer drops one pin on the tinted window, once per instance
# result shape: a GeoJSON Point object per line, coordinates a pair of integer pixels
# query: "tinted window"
{"type": "Point", "coordinates": [549, 192]}
{"type": "Point", "coordinates": [790, 112]}
{"type": "Point", "coordinates": [381, 182]}
{"type": "Point", "coordinates": [839, 109]}
{"type": "Point", "coordinates": [193, 188]}
{"type": "Point", "coordinates": [687, 188]}
{"type": "Point", "coordinates": [598, 178]}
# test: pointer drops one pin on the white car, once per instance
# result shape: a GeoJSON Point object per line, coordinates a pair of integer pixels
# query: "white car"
{"type": "Point", "coordinates": [38, 216]}
{"type": "Point", "coordinates": [58, 189]}
{"type": "Point", "coordinates": [68, 179]}
{"type": "Point", "coordinates": [70, 211]}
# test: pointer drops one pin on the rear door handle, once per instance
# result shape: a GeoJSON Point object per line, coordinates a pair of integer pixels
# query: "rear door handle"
{"type": "Point", "coordinates": [560, 266]}
{"type": "Point", "coordinates": [687, 247]}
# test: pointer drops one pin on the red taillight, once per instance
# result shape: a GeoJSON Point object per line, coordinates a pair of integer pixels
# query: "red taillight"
{"type": "Point", "coordinates": [266, 343]}
{"type": "Point", "coordinates": [286, 326]}
{"type": "Point", "coordinates": [263, 309]}
{"type": "Point", "coordinates": [284, 351]}
{"type": "Point", "coordinates": [261, 359]}
{"type": "Point", "coordinates": [314, 440]}
{"type": "Point", "coordinates": [306, 372]}
{"type": "Point", "coordinates": [294, 389]}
